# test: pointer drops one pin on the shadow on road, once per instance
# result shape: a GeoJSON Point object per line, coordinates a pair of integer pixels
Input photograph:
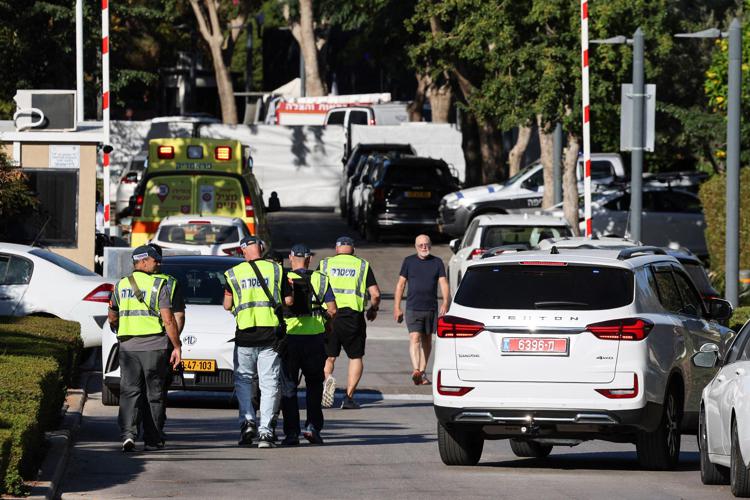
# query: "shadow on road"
{"type": "Point", "coordinates": [614, 461]}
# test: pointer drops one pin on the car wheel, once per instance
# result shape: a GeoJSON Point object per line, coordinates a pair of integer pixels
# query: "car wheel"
{"type": "Point", "coordinates": [531, 449]}
{"type": "Point", "coordinates": [739, 474]}
{"type": "Point", "coordinates": [710, 473]}
{"type": "Point", "coordinates": [109, 397]}
{"type": "Point", "coordinates": [459, 445]}
{"type": "Point", "coordinates": [660, 449]}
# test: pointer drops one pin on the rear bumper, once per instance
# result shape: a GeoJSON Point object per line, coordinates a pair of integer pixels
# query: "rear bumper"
{"type": "Point", "coordinates": [558, 423]}
{"type": "Point", "coordinates": [403, 218]}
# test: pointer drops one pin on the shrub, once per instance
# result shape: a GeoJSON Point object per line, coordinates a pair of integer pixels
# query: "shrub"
{"type": "Point", "coordinates": [740, 316]}
{"type": "Point", "coordinates": [38, 357]}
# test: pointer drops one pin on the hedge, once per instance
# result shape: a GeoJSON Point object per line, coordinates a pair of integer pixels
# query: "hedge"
{"type": "Point", "coordinates": [38, 357]}
{"type": "Point", "coordinates": [713, 197]}
{"type": "Point", "coordinates": [740, 316]}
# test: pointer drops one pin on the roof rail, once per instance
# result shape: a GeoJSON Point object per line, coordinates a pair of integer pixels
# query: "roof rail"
{"type": "Point", "coordinates": [628, 253]}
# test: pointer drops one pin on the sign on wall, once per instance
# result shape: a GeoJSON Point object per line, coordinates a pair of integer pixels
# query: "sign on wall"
{"type": "Point", "coordinates": [64, 156]}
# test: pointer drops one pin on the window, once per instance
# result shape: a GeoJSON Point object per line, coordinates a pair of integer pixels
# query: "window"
{"type": "Point", "coordinates": [61, 261]}
{"type": "Point", "coordinates": [535, 180]}
{"type": "Point", "coordinates": [358, 118]}
{"type": "Point", "coordinates": [567, 287]}
{"type": "Point", "coordinates": [745, 355]}
{"type": "Point", "coordinates": [693, 305]}
{"type": "Point", "coordinates": [738, 346]}
{"type": "Point", "coordinates": [199, 234]}
{"type": "Point", "coordinates": [201, 284]}
{"type": "Point", "coordinates": [619, 204]}
{"type": "Point", "coordinates": [411, 175]}
{"type": "Point", "coordinates": [495, 236]}
{"type": "Point", "coordinates": [470, 231]}
{"type": "Point", "coordinates": [698, 274]}
{"type": "Point", "coordinates": [336, 118]}
{"type": "Point", "coordinates": [669, 295]}
{"type": "Point", "coordinates": [15, 270]}
{"type": "Point", "coordinates": [601, 170]}
{"type": "Point", "coordinates": [675, 201]}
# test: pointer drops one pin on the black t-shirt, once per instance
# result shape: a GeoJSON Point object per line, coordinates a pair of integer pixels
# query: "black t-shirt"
{"type": "Point", "coordinates": [422, 277]}
{"type": "Point", "coordinates": [260, 336]}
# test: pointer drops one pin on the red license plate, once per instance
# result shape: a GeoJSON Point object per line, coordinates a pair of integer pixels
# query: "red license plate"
{"type": "Point", "coordinates": [536, 345]}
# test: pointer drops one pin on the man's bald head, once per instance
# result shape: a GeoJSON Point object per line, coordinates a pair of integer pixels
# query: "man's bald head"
{"type": "Point", "coordinates": [423, 245]}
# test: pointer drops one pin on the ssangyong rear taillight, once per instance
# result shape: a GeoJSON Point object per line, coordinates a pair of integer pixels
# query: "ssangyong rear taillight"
{"type": "Point", "coordinates": [627, 393]}
{"type": "Point", "coordinates": [621, 329]}
{"type": "Point", "coordinates": [448, 390]}
{"type": "Point", "coordinates": [455, 327]}
{"type": "Point", "coordinates": [249, 209]}
{"type": "Point", "coordinates": [138, 208]}
{"type": "Point", "coordinates": [100, 293]}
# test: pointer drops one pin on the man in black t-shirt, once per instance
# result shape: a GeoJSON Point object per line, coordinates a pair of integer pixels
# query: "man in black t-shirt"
{"type": "Point", "coordinates": [424, 272]}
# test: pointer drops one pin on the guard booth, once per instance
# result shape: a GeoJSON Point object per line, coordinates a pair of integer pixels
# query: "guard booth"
{"type": "Point", "coordinates": [61, 168]}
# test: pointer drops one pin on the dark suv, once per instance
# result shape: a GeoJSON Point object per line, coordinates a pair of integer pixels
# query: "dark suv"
{"type": "Point", "coordinates": [404, 193]}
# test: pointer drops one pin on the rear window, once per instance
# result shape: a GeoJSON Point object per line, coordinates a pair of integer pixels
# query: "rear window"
{"type": "Point", "coordinates": [569, 287]}
{"type": "Point", "coordinates": [200, 284]}
{"type": "Point", "coordinates": [417, 174]}
{"type": "Point", "coordinates": [61, 261]}
{"type": "Point", "coordinates": [495, 236]}
{"type": "Point", "coordinates": [198, 234]}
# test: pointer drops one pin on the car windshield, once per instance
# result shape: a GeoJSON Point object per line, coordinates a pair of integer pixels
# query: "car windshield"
{"type": "Point", "coordinates": [61, 261]}
{"type": "Point", "coordinates": [550, 286]}
{"type": "Point", "coordinates": [495, 236]}
{"type": "Point", "coordinates": [198, 234]}
{"type": "Point", "coordinates": [417, 175]}
{"type": "Point", "coordinates": [200, 283]}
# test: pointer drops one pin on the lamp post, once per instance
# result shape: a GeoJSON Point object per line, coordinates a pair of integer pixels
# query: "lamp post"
{"type": "Point", "coordinates": [732, 247]}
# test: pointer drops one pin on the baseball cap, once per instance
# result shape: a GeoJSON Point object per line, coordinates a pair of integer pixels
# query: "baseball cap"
{"type": "Point", "coordinates": [300, 250]}
{"type": "Point", "coordinates": [144, 252]}
{"type": "Point", "coordinates": [344, 241]}
{"type": "Point", "coordinates": [249, 240]}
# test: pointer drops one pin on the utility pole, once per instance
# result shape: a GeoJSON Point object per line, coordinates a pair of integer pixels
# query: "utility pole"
{"type": "Point", "coordinates": [636, 162]}
{"type": "Point", "coordinates": [732, 248]}
{"type": "Point", "coordinates": [302, 79]}
{"type": "Point", "coordinates": [79, 61]}
{"type": "Point", "coordinates": [557, 147]}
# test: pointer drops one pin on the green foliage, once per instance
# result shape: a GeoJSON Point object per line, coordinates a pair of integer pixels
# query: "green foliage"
{"type": "Point", "coordinates": [739, 318]}
{"type": "Point", "coordinates": [15, 196]}
{"type": "Point", "coordinates": [38, 357]}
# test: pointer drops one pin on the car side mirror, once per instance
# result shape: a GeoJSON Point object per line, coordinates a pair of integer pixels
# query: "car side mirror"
{"type": "Point", "coordinates": [719, 309]}
{"type": "Point", "coordinates": [707, 356]}
{"type": "Point", "coordinates": [454, 245]}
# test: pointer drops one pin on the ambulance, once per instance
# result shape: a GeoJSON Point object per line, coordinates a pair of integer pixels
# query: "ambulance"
{"type": "Point", "coordinates": [197, 176]}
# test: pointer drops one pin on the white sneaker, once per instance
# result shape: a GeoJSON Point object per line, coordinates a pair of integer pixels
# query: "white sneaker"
{"type": "Point", "coordinates": [329, 390]}
{"type": "Point", "coordinates": [128, 445]}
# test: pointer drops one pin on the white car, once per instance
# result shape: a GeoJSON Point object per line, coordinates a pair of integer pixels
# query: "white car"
{"type": "Point", "coordinates": [553, 348]}
{"type": "Point", "coordinates": [486, 232]}
{"type": "Point", "coordinates": [724, 433]}
{"type": "Point", "coordinates": [212, 235]}
{"type": "Point", "coordinates": [37, 281]}
{"type": "Point", "coordinates": [207, 349]}
{"type": "Point", "coordinates": [130, 178]}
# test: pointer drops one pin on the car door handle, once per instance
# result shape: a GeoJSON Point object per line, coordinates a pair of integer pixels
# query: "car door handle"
{"type": "Point", "coordinates": [740, 371]}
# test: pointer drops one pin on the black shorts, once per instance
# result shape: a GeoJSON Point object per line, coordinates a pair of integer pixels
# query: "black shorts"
{"type": "Point", "coordinates": [421, 321]}
{"type": "Point", "coordinates": [348, 331]}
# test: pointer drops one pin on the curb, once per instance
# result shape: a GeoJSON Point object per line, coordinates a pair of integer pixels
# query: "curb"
{"type": "Point", "coordinates": [59, 441]}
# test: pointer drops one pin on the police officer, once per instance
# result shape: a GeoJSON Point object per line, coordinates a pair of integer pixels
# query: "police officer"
{"type": "Point", "coordinates": [141, 313]}
{"type": "Point", "coordinates": [351, 278]}
{"type": "Point", "coordinates": [314, 303]}
{"type": "Point", "coordinates": [253, 294]}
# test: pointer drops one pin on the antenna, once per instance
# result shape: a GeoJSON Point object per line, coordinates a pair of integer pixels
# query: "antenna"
{"type": "Point", "coordinates": [41, 230]}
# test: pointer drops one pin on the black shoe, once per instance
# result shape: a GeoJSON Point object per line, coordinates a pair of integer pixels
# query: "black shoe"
{"type": "Point", "coordinates": [349, 404]}
{"type": "Point", "coordinates": [128, 445]}
{"type": "Point", "coordinates": [154, 446]}
{"type": "Point", "coordinates": [290, 441]}
{"type": "Point", "coordinates": [266, 441]}
{"type": "Point", "coordinates": [247, 432]}
{"type": "Point", "coordinates": [312, 435]}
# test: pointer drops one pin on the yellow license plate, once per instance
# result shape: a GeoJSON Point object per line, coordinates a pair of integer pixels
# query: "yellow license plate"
{"type": "Point", "coordinates": [199, 365]}
{"type": "Point", "coordinates": [418, 194]}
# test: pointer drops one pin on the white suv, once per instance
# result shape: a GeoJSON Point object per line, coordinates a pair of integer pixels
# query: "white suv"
{"type": "Point", "coordinates": [553, 348]}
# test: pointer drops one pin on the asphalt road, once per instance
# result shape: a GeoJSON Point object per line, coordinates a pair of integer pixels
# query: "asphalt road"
{"type": "Point", "coordinates": [387, 449]}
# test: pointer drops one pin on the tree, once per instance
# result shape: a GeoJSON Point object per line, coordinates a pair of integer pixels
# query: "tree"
{"type": "Point", "coordinates": [220, 25]}
{"type": "Point", "coordinates": [15, 197]}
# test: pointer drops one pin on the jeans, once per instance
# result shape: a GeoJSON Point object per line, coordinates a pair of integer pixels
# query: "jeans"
{"type": "Point", "coordinates": [266, 363]}
{"type": "Point", "coordinates": [142, 394]}
{"type": "Point", "coordinates": [305, 353]}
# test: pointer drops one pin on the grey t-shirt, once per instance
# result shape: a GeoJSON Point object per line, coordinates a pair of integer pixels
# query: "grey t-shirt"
{"type": "Point", "coordinates": [149, 342]}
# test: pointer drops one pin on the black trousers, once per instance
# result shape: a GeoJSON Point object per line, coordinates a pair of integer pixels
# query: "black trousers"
{"type": "Point", "coordinates": [142, 394]}
{"type": "Point", "coordinates": [305, 353]}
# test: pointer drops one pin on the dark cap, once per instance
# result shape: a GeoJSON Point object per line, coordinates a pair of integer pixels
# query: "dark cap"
{"type": "Point", "coordinates": [300, 250]}
{"type": "Point", "coordinates": [344, 241]}
{"type": "Point", "coordinates": [144, 252]}
{"type": "Point", "coordinates": [249, 240]}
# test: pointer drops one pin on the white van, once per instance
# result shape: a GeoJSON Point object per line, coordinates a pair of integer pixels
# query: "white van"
{"type": "Point", "coordinates": [392, 113]}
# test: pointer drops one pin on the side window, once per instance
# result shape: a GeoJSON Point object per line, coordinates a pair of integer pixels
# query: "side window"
{"type": "Point", "coordinates": [535, 180]}
{"type": "Point", "coordinates": [601, 169]}
{"type": "Point", "coordinates": [358, 117]}
{"type": "Point", "coordinates": [669, 295]}
{"type": "Point", "coordinates": [15, 270]}
{"type": "Point", "coordinates": [336, 118]}
{"type": "Point", "coordinates": [673, 201]}
{"type": "Point", "coordinates": [621, 203]}
{"type": "Point", "coordinates": [739, 346]}
{"type": "Point", "coordinates": [693, 304]}
{"type": "Point", "coordinates": [745, 355]}
{"type": "Point", "coordinates": [470, 231]}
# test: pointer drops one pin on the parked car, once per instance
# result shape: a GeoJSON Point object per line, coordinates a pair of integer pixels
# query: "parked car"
{"type": "Point", "coordinates": [35, 281]}
{"type": "Point", "coordinates": [724, 426]}
{"type": "Point", "coordinates": [130, 178]}
{"type": "Point", "coordinates": [388, 113]}
{"type": "Point", "coordinates": [505, 231]}
{"type": "Point", "coordinates": [549, 348]}
{"type": "Point", "coordinates": [207, 235]}
{"type": "Point", "coordinates": [353, 167]}
{"type": "Point", "coordinates": [521, 193]}
{"type": "Point", "coordinates": [207, 350]}
{"type": "Point", "coordinates": [403, 194]}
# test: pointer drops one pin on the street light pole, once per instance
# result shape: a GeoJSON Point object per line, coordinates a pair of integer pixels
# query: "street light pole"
{"type": "Point", "coordinates": [636, 162]}
{"type": "Point", "coordinates": [733, 164]}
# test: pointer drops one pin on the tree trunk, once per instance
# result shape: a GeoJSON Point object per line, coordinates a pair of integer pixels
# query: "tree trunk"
{"type": "Point", "coordinates": [546, 146]}
{"type": "Point", "coordinates": [570, 182]}
{"type": "Point", "coordinates": [519, 148]}
{"type": "Point", "coordinates": [441, 97]}
{"type": "Point", "coordinates": [490, 147]}
{"type": "Point", "coordinates": [314, 85]}
{"type": "Point", "coordinates": [470, 145]}
{"type": "Point", "coordinates": [416, 106]}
